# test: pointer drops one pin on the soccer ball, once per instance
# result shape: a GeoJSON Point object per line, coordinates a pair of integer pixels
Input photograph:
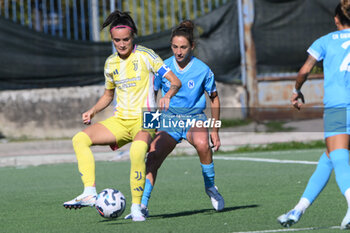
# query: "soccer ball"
{"type": "Point", "coordinates": [110, 203]}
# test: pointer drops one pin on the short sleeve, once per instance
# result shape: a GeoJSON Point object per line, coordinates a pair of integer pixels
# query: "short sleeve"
{"type": "Point", "coordinates": [317, 49]}
{"type": "Point", "coordinates": [210, 85]}
{"type": "Point", "coordinates": [108, 73]}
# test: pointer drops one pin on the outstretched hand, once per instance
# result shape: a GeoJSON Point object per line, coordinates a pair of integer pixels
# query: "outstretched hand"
{"type": "Point", "coordinates": [295, 100]}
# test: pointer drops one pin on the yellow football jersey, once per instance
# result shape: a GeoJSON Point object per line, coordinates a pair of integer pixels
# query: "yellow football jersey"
{"type": "Point", "coordinates": [133, 81]}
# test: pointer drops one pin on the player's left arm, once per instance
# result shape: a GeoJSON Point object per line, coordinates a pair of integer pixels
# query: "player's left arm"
{"type": "Point", "coordinates": [215, 114]}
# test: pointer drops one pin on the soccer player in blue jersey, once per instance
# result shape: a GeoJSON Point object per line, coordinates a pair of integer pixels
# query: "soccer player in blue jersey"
{"type": "Point", "coordinates": [189, 103]}
{"type": "Point", "coordinates": [334, 50]}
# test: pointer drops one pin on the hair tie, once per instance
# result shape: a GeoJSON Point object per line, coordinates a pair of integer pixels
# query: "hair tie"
{"type": "Point", "coordinates": [122, 26]}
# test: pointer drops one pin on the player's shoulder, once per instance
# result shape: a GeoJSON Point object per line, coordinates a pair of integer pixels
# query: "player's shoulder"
{"type": "Point", "coordinates": [201, 67]}
{"type": "Point", "coordinates": [112, 57]}
{"type": "Point", "coordinates": [169, 61]}
{"type": "Point", "coordinates": [332, 39]}
{"type": "Point", "coordinates": [110, 62]}
{"type": "Point", "coordinates": [145, 51]}
{"type": "Point", "coordinates": [199, 63]}
{"type": "Point", "coordinates": [329, 36]}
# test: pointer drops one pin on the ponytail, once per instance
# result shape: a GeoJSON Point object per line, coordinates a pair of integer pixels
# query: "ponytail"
{"type": "Point", "coordinates": [121, 20]}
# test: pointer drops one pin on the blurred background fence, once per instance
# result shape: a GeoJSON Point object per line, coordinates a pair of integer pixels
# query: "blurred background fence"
{"type": "Point", "coordinates": [81, 19]}
{"type": "Point", "coordinates": [59, 42]}
{"type": "Point", "coordinates": [49, 39]}
{"type": "Point", "coordinates": [254, 47]}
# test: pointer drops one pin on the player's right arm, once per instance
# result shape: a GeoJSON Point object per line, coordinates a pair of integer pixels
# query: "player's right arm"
{"type": "Point", "coordinates": [107, 96]}
{"type": "Point", "coordinates": [101, 104]}
{"type": "Point", "coordinates": [175, 85]}
{"type": "Point", "coordinates": [300, 80]}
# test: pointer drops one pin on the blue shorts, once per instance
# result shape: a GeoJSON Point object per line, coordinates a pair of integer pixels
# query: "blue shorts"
{"type": "Point", "coordinates": [336, 121]}
{"type": "Point", "coordinates": [177, 126]}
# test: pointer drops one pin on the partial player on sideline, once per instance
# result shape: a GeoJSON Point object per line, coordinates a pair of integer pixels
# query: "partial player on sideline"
{"type": "Point", "coordinates": [130, 72]}
{"type": "Point", "coordinates": [334, 50]}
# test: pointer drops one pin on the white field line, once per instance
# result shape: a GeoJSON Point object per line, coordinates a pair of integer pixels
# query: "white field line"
{"type": "Point", "coordinates": [281, 152]}
{"type": "Point", "coordinates": [264, 160]}
{"type": "Point", "coordinates": [289, 229]}
{"type": "Point", "coordinates": [35, 160]}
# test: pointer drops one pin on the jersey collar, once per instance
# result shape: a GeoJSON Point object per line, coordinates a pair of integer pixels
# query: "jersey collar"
{"type": "Point", "coordinates": [188, 66]}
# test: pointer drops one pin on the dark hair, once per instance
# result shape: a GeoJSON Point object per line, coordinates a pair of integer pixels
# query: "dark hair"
{"type": "Point", "coordinates": [120, 18]}
{"type": "Point", "coordinates": [342, 11]}
{"type": "Point", "coordinates": [185, 29]}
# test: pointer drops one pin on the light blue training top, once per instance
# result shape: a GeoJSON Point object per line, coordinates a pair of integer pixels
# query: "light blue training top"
{"type": "Point", "coordinates": [196, 79]}
{"type": "Point", "coordinates": [334, 50]}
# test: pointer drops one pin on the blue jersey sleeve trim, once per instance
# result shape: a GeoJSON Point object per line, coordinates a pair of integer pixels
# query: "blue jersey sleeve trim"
{"type": "Point", "coordinates": [315, 54]}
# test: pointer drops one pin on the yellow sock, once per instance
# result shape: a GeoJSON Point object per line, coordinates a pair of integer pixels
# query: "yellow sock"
{"type": "Point", "coordinates": [86, 162]}
{"type": "Point", "coordinates": [138, 152]}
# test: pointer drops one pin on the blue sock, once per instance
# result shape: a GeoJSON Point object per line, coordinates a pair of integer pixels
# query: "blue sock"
{"type": "Point", "coordinates": [319, 178]}
{"type": "Point", "coordinates": [208, 174]}
{"type": "Point", "coordinates": [340, 160]}
{"type": "Point", "coordinates": [146, 192]}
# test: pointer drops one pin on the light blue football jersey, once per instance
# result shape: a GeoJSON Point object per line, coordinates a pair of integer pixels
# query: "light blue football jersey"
{"type": "Point", "coordinates": [334, 50]}
{"type": "Point", "coordinates": [196, 79]}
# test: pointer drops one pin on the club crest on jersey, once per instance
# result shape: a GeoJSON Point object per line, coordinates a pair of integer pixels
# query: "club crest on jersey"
{"type": "Point", "coordinates": [190, 84]}
{"type": "Point", "coordinates": [135, 63]}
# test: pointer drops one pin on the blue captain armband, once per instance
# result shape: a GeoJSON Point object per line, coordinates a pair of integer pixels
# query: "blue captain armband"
{"type": "Point", "coordinates": [163, 70]}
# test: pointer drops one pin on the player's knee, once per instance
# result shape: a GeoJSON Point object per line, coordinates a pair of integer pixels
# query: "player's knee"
{"type": "Point", "coordinates": [202, 145]}
{"type": "Point", "coordinates": [81, 139]}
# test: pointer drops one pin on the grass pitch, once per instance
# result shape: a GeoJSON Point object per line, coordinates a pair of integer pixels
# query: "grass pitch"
{"type": "Point", "coordinates": [256, 193]}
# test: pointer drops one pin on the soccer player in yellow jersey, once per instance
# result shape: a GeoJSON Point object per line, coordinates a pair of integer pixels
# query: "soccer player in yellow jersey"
{"type": "Point", "coordinates": [130, 74]}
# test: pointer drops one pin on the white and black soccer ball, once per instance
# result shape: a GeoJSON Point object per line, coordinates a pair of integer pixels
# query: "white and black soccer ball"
{"type": "Point", "coordinates": [110, 203]}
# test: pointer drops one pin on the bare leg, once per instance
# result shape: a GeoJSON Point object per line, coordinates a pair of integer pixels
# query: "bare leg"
{"type": "Point", "coordinates": [340, 141]}
{"type": "Point", "coordinates": [161, 147]}
{"type": "Point", "coordinates": [199, 138]}
{"type": "Point", "coordinates": [100, 135]}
